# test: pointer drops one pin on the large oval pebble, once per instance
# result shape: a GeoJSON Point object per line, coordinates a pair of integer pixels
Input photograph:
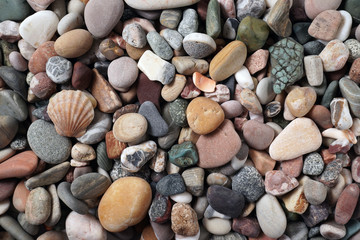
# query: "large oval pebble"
{"type": "Point", "coordinates": [89, 186]}
{"type": "Point", "coordinates": [74, 43]}
{"type": "Point", "coordinates": [38, 206]}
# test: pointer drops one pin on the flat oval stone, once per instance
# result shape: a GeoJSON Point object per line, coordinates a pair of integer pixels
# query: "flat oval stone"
{"type": "Point", "coordinates": [90, 185]}
{"type": "Point", "coordinates": [18, 61]}
{"type": "Point", "coordinates": [122, 73]}
{"type": "Point", "coordinates": [38, 206]}
{"type": "Point", "coordinates": [300, 100]}
{"type": "Point", "coordinates": [258, 135]}
{"type": "Point", "coordinates": [162, 4]}
{"type": "Point", "coordinates": [278, 183]}
{"type": "Point", "coordinates": [134, 35]}
{"type": "Point", "coordinates": [204, 115]}
{"type": "Point", "coordinates": [334, 56]}
{"type": "Point", "coordinates": [228, 61]}
{"type": "Point", "coordinates": [47, 144]}
{"type": "Point", "coordinates": [55, 215]}
{"type": "Point", "coordinates": [171, 91]}
{"type": "Point", "coordinates": [69, 200]}
{"type": "Point", "coordinates": [102, 16]}
{"type": "Point", "coordinates": [187, 65]}
{"type": "Point", "coordinates": [284, 146]}
{"type": "Point", "coordinates": [30, 228]}
{"type": "Point", "coordinates": [39, 27]}
{"type": "Point", "coordinates": [20, 165]}
{"type": "Point", "coordinates": [199, 45]}
{"type": "Point", "coordinates": [315, 192]}
{"type": "Point", "coordinates": [74, 43]}
{"type": "Point", "coordinates": [217, 226]}
{"type": "Point", "coordinates": [159, 45]}
{"type": "Point", "coordinates": [225, 200]}
{"type": "Point", "coordinates": [20, 196]}
{"type": "Point", "coordinates": [157, 126]}
{"type": "Point", "coordinates": [84, 226]}
{"type": "Point", "coordinates": [130, 127]}
{"type": "Point", "coordinates": [325, 25]}
{"type": "Point", "coordinates": [49, 176]}
{"type": "Point", "coordinates": [184, 220]}
{"type": "Point", "coordinates": [346, 204]}
{"type": "Point", "coordinates": [332, 230]}
{"type": "Point", "coordinates": [70, 21]}
{"type": "Point", "coordinates": [213, 20]}
{"type": "Point", "coordinates": [59, 69]}
{"type": "Point", "coordinates": [219, 147]}
{"type": "Point", "coordinates": [124, 204]}
{"type": "Point", "coordinates": [271, 217]}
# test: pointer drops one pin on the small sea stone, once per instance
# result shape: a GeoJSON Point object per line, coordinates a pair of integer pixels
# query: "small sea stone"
{"type": "Point", "coordinates": [313, 164]}
{"type": "Point", "coordinates": [171, 184]}
{"type": "Point", "coordinates": [249, 182]}
{"type": "Point", "coordinates": [59, 69]}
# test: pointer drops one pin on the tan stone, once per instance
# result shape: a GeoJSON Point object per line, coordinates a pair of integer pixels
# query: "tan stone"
{"type": "Point", "coordinates": [262, 161]}
{"type": "Point", "coordinates": [325, 25]}
{"type": "Point", "coordinates": [187, 134]}
{"type": "Point", "coordinates": [300, 100]}
{"type": "Point", "coordinates": [124, 204]}
{"type": "Point", "coordinates": [295, 201]}
{"type": "Point", "coordinates": [171, 91]}
{"type": "Point", "coordinates": [228, 61]}
{"type": "Point", "coordinates": [300, 132]}
{"type": "Point", "coordinates": [136, 53]}
{"type": "Point", "coordinates": [130, 127]}
{"type": "Point", "coordinates": [74, 43]}
{"type": "Point", "coordinates": [184, 220]}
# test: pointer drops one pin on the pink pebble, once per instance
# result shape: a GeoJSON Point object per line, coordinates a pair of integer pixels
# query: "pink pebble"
{"type": "Point", "coordinates": [17, 61]}
{"type": "Point", "coordinates": [232, 108]}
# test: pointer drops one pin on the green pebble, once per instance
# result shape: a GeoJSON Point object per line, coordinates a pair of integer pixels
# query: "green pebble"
{"type": "Point", "coordinates": [253, 32]}
{"type": "Point", "coordinates": [213, 19]}
{"type": "Point", "coordinates": [183, 155]}
{"type": "Point", "coordinates": [177, 110]}
{"type": "Point", "coordinates": [15, 10]}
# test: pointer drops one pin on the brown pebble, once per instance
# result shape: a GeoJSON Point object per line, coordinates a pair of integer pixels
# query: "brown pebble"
{"type": "Point", "coordinates": [321, 116]}
{"type": "Point", "coordinates": [81, 76]}
{"type": "Point", "coordinates": [37, 62]}
{"type": "Point", "coordinates": [184, 220]}
{"type": "Point", "coordinates": [354, 73]}
{"type": "Point", "coordinates": [346, 203]}
{"type": "Point", "coordinates": [325, 25]}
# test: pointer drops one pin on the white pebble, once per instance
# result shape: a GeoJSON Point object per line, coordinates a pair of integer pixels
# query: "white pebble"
{"type": "Point", "coordinates": [244, 79]}
{"type": "Point", "coordinates": [184, 197]}
{"type": "Point", "coordinates": [76, 6]}
{"type": "Point", "coordinates": [69, 22]}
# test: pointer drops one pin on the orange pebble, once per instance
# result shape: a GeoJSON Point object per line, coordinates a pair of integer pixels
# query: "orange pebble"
{"type": "Point", "coordinates": [203, 83]}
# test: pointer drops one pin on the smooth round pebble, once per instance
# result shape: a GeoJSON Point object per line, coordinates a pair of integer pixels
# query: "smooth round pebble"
{"type": "Point", "coordinates": [122, 73]}
{"type": "Point", "coordinates": [83, 227]}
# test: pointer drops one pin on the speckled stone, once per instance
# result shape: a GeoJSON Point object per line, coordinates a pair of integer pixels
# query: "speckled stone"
{"type": "Point", "coordinates": [287, 63]}
{"type": "Point", "coordinates": [249, 182]}
{"type": "Point", "coordinates": [316, 214]}
{"type": "Point", "coordinates": [47, 144]}
{"type": "Point", "coordinates": [254, 8]}
{"type": "Point", "coordinates": [183, 155]}
{"type": "Point", "coordinates": [213, 20]}
{"type": "Point", "coordinates": [177, 110]}
{"type": "Point", "coordinates": [171, 184]}
{"type": "Point", "coordinates": [313, 164]}
{"type": "Point", "coordinates": [331, 173]}
{"type": "Point", "coordinates": [159, 45]}
{"type": "Point", "coordinates": [189, 22]}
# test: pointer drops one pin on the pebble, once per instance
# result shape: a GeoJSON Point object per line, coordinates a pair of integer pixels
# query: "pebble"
{"type": "Point", "coordinates": [230, 28]}
{"type": "Point", "coordinates": [183, 155]}
{"type": "Point", "coordinates": [286, 58]}
{"type": "Point", "coordinates": [49, 176]}
{"type": "Point", "coordinates": [162, 4]}
{"type": "Point", "coordinates": [70, 21]}
{"type": "Point", "coordinates": [225, 201]}
{"type": "Point", "coordinates": [173, 38]}
{"type": "Point", "coordinates": [31, 31]}
{"type": "Point", "coordinates": [134, 121]}
{"type": "Point", "coordinates": [29, 228]}
{"type": "Point", "coordinates": [217, 226]}
{"type": "Point", "coordinates": [42, 86]}
{"type": "Point", "coordinates": [313, 8]}
{"type": "Point", "coordinates": [189, 23]}
{"type": "Point", "coordinates": [278, 18]}
{"type": "Point", "coordinates": [17, 61]}
{"type": "Point", "coordinates": [331, 173]}
{"type": "Point", "coordinates": [7, 123]}
{"type": "Point", "coordinates": [334, 56]}
{"type": "Point", "coordinates": [223, 65]}
{"type": "Point", "coordinates": [59, 69]}
{"type": "Point", "coordinates": [136, 156]}
{"type": "Point", "coordinates": [4, 206]}
{"type": "Point", "coordinates": [155, 68]}
{"type": "Point", "coordinates": [160, 209]}
{"type": "Point", "coordinates": [15, 80]}
{"type": "Point", "coordinates": [7, 188]}
{"type": "Point", "coordinates": [301, 32]}
{"type": "Point", "coordinates": [355, 165]}
{"type": "Point", "coordinates": [249, 182]}
{"type": "Point", "coordinates": [246, 226]}
{"type": "Point", "coordinates": [314, 70]}
{"type": "Point", "coordinates": [351, 7]}
{"type": "Point", "coordinates": [345, 26]}
{"type": "Point", "coordinates": [351, 91]}
{"type": "Point", "coordinates": [11, 226]}
{"type": "Point", "coordinates": [295, 200]}
{"type": "Point", "coordinates": [332, 230]}
{"type": "Point", "coordinates": [102, 16]}
{"type": "Point", "coordinates": [277, 183]}
{"type": "Point", "coordinates": [315, 192]}
{"type": "Point", "coordinates": [301, 100]}
{"type": "Point", "coordinates": [250, 8]}
{"type": "Point", "coordinates": [38, 206]}
{"type": "Point", "coordinates": [199, 45]}
{"type": "Point", "coordinates": [271, 217]}
{"type": "Point", "coordinates": [90, 185]}
{"type": "Point", "coordinates": [25, 49]}
{"type": "Point", "coordinates": [244, 78]}
{"type": "Point", "coordinates": [134, 35]}
{"type": "Point", "coordinates": [340, 113]}
{"type": "Point", "coordinates": [313, 164]}
{"type": "Point", "coordinates": [296, 230]}
{"type": "Point", "coordinates": [184, 220]}
{"type": "Point", "coordinates": [325, 25]}
{"type": "Point", "coordinates": [20, 196]}
{"type": "Point", "coordinates": [213, 20]}
{"type": "Point", "coordinates": [171, 91]}
{"type": "Point", "coordinates": [171, 184]}
{"type": "Point", "coordinates": [156, 124]}
{"type": "Point", "coordinates": [257, 135]}
{"type": "Point", "coordinates": [159, 45]}
{"type": "Point", "coordinates": [253, 32]}
{"type": "Point", "coordinates": [346, 204]}
{"type": "Point", "coordinates": [250, 101]}
{"type": "Point", "coordinates": [69, 200]}
{"type": "Point", "coordinates": [55, 214]}
{"type": "Point", "coordinates": [284, 148]}
{"type": "Point", "coordinates": [218, 179]}
{"type": "Point", "coordinates": [90, 227]}
{"type": "Point", "coordinates": [37, 61]}
{"type": "Point", "coordinates": [74, 43]}
{"type": "Point", "coordinates": [262, 161]}
{"type": "Point", "coordinates": [170, 18]}
{"type": "Point", "coordinates": [231, 108]}
{"type": "Point", "coordinates": [194, 180]}
{"type": "Point", "coordinates": [20, 165]}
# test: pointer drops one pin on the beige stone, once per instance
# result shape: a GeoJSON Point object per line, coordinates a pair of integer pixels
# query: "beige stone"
{"type": "Point", "coordinates": [130, 127]}
{"type": "Point", "coordinates": [300, 101]}
{"type": "Point", "coordinates": [171, 91]}
{"type": "Point", "coordinates": [295, 201]}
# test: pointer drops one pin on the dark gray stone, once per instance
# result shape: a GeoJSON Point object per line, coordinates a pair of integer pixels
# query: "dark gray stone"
{"type": "Point", "coordinates": [331, 173]}
{"type": "Point", "coordinates": [159, 45]}
{"type": "Point", "coordinates": [177, 112]}
{"type": "Point", "coordinates": [330, 92]}
{"type": "Point", "coordinates": [157, 126]}
{"type": "Point", "coordinates": [160, 209]}
{"type": "Point", "coordinates": [171, 184]}
{"type": "Point", "coordinates": [225, 200]}
{"type": "Point", "coordinates": [90, 185]}
{"type": "Point", "coordinates": [313, 48]}
{"type": "Point", "coordinates": [15, 80]}
{"type": "Point", "coordinates": [314, 231]}
{"type": "Point", "coordinates": [47, 144]}
{"type": "Point", "coordinates": [315, 214]}
{"type": "Point", "coordinates": [249, 182]}
{"type": "Point", "coordinates": [101, 157]}
{"type": "Point", "coordinates": [301, 32]}
{"type": "Point", "coordinates": [13, 105]}
{"type": "Point", "coordinates": [69, 200]}
{"type": "Point", "coordinates": [296, 231]}
{"type": "Point", "coordinates": [29, 228]}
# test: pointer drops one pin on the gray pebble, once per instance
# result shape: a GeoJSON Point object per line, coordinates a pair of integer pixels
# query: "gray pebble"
{"type": "Point", "coordinates": [249, 182]}
{"type": "Point", "coordinates": [134, 35]}
{"type": "Point", "coordinates": [13, 105]}
{"type": "Point", "coordinates": [47, 144]}
{"type": "Point", "coordinates": [189, 22]}
{"type": "Point", "coordinates": [314, 231]}
{"type": "Point", "coordinates": [173, 38]}
{"type": "Point", "coordinates": [313, 47]}
{"type": "Point", "coordinates": [14, 80]}
{"type": "Point", "coordinates": [254, 8]}
{"type": "Point", "coordinates": [66, 196]}
{"type": "Point", "coordinates": [59, 69]}
{"type": "Point", "coordinates": [19, 143]}
{"type": "Point", "coordinates": [101, 157]}
{"type": "Point", "coordinates": [13, 227]}
{"type": "Point", "coordinates": [313, 164]}
{"type": "Point", "coordinates": [230, 28]}
{"type": "Point", "coordinates": [90, 185]}
{"type": "Point", "coordinates": [296, 231]}
{"type": "Point", "coordinates": [157, 126]}
{"type": "Point", "coordinates": [159, 45]}
{"type": "Point", "coordinates": [171, 184]}
{"type": "Point", "coordinates": [29, 228]}
{"type": "Point", "coordinates": [330, 92]}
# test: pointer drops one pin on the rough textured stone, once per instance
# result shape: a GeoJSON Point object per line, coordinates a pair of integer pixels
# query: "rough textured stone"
{"type": "Point", "coordinates": [249, 182]}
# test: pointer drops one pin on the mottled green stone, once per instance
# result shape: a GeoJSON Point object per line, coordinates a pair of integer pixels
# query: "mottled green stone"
{"type": "Point", "coordinates": [253, 32]}
{"type": "Point", "coordinates": [15, 10]}
{"type": "Point", "coordinates": [101, 157]}
{"type": "Point", "coordinates": [213, 19]}
{"type": "Point", "coordinates": [287, 63]}
{"type": "Point", "coordinates": [177, 110]}
{"type": "Point", "coordinates": [183, 155]}
{"type": "Point", "coordinates": [7, 48]}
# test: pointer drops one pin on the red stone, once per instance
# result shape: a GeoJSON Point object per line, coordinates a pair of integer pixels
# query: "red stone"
{"type": "Point", "coordinates": [277, 183]}
{"type": "Point", "coordinates": [20, 196]}
{"type": "Point", "coordinates": [114, 147]}
{"type": "Point", "coordinates": [7, 187]}
{"type": "Point", "coordinates": [327, 156]}
{"type": "Point", "coordinates": [42, 86]}
{"type": "Point", "coordinates": [148, 90]}
{"type": "Point", "coordinates": [321, 116]}
{"type": "Point", "coordinates": [20, 165]}
{"type": "Point", "coordinates": [292, 168]}
{"type": "Point", "coordinates": [354, 73]}
{"type": "Point", "coordinates": [37, 62]}
{"type": "Point", "coordinates": [346, 203]}
{"type": "Point", "coordinates": [246, 226]}
{"type": "Point", "coordinates": [190, 91]}
{"type": "Point", "coordinates": [81, 76]}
